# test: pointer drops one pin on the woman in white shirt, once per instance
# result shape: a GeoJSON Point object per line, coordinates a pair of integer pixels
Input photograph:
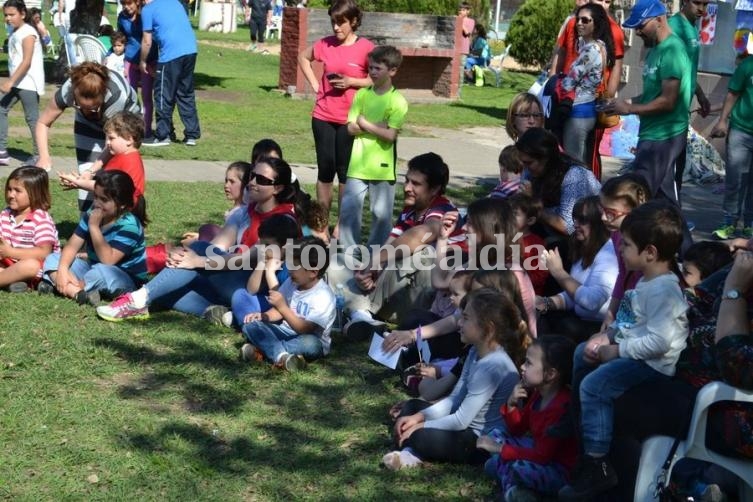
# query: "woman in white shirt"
{"type": "Point", "coordinates": [579, 309]}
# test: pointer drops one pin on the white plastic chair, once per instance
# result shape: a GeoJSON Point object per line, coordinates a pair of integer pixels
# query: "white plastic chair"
{"type": "Point", "coordinates": [495, 65]}
{"type": "Point", "coordinates": [89, 48]}
{"type": "Point", "coordinates": [656, 449]}
{"type": "Point", "coordinates": [274, 27]}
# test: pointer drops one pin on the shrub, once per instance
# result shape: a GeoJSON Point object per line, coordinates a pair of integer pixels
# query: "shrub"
{"type": "Point", "coordinates": [534, 28]}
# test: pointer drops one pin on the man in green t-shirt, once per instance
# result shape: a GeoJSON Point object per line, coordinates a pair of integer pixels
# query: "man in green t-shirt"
{"type": "Point", "coordinates": [375, 118]}
{"type": "Point", "coordinates": [664, 106]}
{"type": "Point", "coordinates": [736, 122]}
{"type": "Point", "coordinates": [683, 25]}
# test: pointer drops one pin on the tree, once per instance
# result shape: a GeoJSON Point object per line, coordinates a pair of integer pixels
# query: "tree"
{"type": "Point", "coordinates": [534, 28]}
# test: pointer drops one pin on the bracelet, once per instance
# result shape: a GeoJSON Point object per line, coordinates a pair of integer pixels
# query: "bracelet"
{"type": "Point", "coordinates": [549, 304]}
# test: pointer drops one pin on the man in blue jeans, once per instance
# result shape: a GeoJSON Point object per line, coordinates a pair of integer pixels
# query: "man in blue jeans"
{"type": "Point", "coordinates": [166, 23]}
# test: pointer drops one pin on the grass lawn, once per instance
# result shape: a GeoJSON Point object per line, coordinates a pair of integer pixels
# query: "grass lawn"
{"type": "Point", "coordinates": [238, 104]}
{"type": "Point", "coordinates": [163, 409]}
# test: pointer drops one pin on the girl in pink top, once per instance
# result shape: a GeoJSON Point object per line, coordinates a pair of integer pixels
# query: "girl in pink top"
{"type": "Point", "coordinates": [27, 232]}
{"type": "Point", "coordinates": [345, 69]}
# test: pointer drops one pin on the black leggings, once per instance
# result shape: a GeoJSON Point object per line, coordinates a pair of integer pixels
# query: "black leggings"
{"type": "Point", "coordinates": [333, 146]}
{"type": "Point", "coordinates": [257, 26]}
{"type": "Point", "coordinates": [437, 445]}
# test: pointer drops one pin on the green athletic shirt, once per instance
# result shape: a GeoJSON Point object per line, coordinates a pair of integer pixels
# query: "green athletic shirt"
{"type": "Point", "coordinates": [665, 61]}
{"type": "Point", "coordinates": [688, 33]}
{"type": "Point", "coordinates": [372, 158]}
{"type": "Point", "coordinates": [742, 83]}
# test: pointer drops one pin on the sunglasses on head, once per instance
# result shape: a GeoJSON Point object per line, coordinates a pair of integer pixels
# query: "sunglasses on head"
{"type": "Point", "coordinates": [261, 180]}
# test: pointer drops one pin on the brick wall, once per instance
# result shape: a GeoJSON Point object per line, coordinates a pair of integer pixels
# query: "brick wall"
{"type": "Point", "coordinates": [429, 44]}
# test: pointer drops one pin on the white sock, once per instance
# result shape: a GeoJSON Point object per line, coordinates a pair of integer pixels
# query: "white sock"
{"type": "Point", "coordinates": [408, 459]}
{"type": "Point", "coordinates": [281, 358]}
{"type": "Point", "coordinates": [140, 297]}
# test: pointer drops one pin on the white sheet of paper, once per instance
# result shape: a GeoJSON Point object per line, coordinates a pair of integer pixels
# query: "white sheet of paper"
{"type": "Point", "coordinates": [382, 357]}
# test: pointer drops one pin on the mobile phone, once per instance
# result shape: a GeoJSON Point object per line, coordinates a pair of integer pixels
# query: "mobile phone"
{"type": "Point", "coordinates": [333, 76]}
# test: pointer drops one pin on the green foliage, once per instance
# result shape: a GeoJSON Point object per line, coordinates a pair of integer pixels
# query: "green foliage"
{"type": "Point", "coordinates": [533, 30]}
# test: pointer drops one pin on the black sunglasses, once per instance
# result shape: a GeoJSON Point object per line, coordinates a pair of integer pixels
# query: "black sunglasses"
{"type": "Point", "coordinates": [584, 20]}
{"type": "Point", "coordinates": [261, 180]}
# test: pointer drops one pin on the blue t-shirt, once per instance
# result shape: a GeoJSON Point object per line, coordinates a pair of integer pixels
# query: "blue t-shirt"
{"type": "Point", "coordinates": [127, 236]}
{"type": "Point", "coordinates": [170, 28]}
{"type": "Point", "coordinates": [133, 32]}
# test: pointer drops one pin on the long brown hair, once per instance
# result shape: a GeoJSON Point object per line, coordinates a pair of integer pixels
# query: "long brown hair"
{"type": "Point", "coordinates": [588, 211]}
{"type": "Point", "coordinates": [501, 319]}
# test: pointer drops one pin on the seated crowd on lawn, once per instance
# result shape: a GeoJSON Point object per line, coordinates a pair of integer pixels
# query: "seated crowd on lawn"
{"type": "Point", "coordinates": [566, 319]}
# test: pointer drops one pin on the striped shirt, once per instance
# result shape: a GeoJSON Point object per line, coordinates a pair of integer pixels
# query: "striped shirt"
{"type": "Point", "coordinates": [37, 229]}
{"type": "Point", "coordinates": [89, 136]}
{"type": "Point", "coordinates": [438, 207]}
{"type": "Point", "coordinates": [127, 236]}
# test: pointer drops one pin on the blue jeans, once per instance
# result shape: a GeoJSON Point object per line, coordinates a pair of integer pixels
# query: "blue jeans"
{"type": "Point", "coordinates": [381, 203]}
{"type": "Point", "coordinates": [173, 83]}
{"type": "Point", "coordinates": [600, 386]}
{"type": "Point", "coordinates": [192, 291]}
{"type": "Point", "coordinates": [30, 102]}
{"type": "Point", "coordinates": [244, 303]}
{"type": "Point", "coordinates": [108, 279]}
{"type": "Point", "coordinates": [738, 201]}
{"type": "Point", "coordinates": [275, 339]}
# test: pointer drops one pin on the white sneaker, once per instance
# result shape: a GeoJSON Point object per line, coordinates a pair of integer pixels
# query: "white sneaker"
{"type": "Point", "coordinates": [227, 319]}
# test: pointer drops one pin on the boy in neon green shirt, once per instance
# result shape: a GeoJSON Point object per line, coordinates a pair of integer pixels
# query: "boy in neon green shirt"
{"type": "Point", "coordinates": [375, 117]}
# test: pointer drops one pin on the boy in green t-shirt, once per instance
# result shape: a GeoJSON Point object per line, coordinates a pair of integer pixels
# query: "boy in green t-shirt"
{"type": "Point", "coordinates": [375, 117]}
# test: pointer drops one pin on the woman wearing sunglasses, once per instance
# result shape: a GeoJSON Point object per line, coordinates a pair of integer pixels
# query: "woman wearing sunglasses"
{"type": "Point", "coordinates": [96, 94]}
{"type": "Point", "coordinates": [204, 275]}
{"type": "Point", "coordinates": [586, 79]}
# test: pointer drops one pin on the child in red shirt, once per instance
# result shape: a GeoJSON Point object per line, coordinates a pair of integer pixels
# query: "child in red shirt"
{"type": "Point", "coordinates": [526, 211]}
{"type": "Point", "coordinates": [542, 461]}
{"type": "Point", "coordinates": [124, 132]}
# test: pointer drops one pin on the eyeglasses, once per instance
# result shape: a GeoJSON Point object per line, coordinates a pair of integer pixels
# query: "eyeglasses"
{"type": "Point", "coordinates": [612, 214]}
{"type": "Point", "coordinates": [584, 20]}
{"type": "Point", "coordinates": [261, 180]}
{"type": "Point", "coordinates": [528, 115]}
{"type": "Point", "coordinates": [91, 111]}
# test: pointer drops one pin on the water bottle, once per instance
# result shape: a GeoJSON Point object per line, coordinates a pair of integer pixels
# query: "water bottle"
{"type": "Point", "coordinates": [339, 307]}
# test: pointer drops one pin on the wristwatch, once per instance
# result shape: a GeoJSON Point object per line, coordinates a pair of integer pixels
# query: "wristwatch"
{"type": "Point", "coordinates": [732, 294]}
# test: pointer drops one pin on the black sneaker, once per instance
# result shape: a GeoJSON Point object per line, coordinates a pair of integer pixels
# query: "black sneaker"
{"type": "Point", "coordinates": [156, 142]}
{"type": "Point", "coordinates": [18, 287]}
{"type": "Point", "coordinates": [591, 477]}
{"type": "Point", "coordinates": [88, 297]}
{"type": "Point", "coordinates": [45, 288]}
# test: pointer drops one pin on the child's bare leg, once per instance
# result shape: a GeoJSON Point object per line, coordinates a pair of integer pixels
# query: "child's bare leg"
{"type": "Point", "coordinates": [20, 271]}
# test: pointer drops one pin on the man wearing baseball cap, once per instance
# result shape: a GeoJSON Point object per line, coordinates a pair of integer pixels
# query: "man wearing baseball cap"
{"type": "Point", "coordinates": [664, 106]}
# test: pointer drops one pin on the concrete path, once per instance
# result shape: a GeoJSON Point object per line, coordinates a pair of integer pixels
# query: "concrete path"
{"type": "Point", "coordinates": [471, 155]}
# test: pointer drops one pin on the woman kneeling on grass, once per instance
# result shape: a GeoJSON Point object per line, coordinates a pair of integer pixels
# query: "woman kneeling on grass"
{"type": "Point", "coordinates": [447, 431]}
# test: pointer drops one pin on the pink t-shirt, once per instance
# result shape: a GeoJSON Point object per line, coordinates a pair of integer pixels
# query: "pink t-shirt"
{"type": "Point", "coordinates": [468, 25]}
{"type": "Point", "coordinates": [332, 105]}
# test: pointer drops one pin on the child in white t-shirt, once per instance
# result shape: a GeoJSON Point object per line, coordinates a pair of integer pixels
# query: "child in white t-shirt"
{"type": "Point", "coordinates": [115, 60]}
{"type": "Point", "coordinates": [306, 306]}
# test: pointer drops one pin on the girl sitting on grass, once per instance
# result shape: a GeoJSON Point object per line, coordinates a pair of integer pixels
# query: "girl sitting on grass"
{"type": "Point", "coordinates": [447, 430]}
{"type": "Point", "coordinates": [27, 232]}
{"type": "Point", "coordinates": [526, 455]}
{"type": "Point", "coordinates": [113, 238]}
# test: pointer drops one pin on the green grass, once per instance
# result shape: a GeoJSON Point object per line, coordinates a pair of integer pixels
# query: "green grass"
{"type": "Point", "coordinates": [238, 104]}
{"type": "Point", "coordinates": [163, 409]}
